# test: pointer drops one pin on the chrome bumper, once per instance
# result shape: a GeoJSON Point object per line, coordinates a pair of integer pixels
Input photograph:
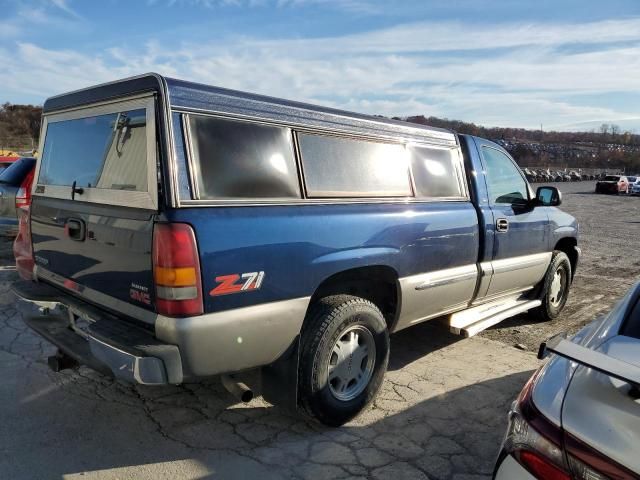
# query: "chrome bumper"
{"type": "Point", "coordinates": [97, 339]}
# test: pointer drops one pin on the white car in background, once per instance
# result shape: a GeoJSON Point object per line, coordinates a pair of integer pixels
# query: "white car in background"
{"type": "Point", "coordinates": [578, 417]}
{"type": "Point", "coordinates": [634, 185]}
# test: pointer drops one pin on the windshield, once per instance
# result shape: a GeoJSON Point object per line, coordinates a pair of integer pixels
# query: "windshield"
{"type": "Point", "coordinates": [15, 173]}
{"type": "Point", "coordinates": [611, 178]}
{"type": "Point", "coordinates": [632, 179]}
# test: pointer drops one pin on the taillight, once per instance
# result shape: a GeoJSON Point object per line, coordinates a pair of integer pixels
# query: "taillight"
{"type": "Point", "coordinates": [534, 441]}
{"type": "Point", "coordinates": [548, 452]}
{"type": "Point", "coordinates": [22, 248]}
{"type": "Point", "coordinates": [23, 195]}
{"type": "Point", "coordinates": [176, 270]}
{"type": "Point", "coordinates": [588, 464]}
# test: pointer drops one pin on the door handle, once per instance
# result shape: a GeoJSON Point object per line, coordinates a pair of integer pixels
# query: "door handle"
{"type": "Point", "coordinates": [75, 229]}
{"type": "Point", "coordinates": [502, 225]}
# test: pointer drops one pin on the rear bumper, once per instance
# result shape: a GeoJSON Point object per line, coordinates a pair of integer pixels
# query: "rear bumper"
{"type": "Point", "coordinates": [178, 349]}
{"type": "Point", "coordinates": [97, 339]}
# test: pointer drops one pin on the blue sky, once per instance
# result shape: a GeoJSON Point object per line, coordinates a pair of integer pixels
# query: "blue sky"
{"type": "Point", "coordinates": [563, 64]}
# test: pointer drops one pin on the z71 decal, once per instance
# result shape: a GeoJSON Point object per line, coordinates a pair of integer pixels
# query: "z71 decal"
{"type": "Point", "coordinates": [237, 282]}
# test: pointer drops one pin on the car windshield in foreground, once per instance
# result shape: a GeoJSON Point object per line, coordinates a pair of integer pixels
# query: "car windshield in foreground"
{"type": "Point", "coordinates": [17, 171]}
{"type": "Point", "coordinates": [632, 179]}
{"type": "Point", "coordinates": [611, 178]}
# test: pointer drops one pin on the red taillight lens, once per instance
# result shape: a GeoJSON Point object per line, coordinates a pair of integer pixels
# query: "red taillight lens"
{"type": "Point", "coordinates": [22, 248]}
{"type": "Point", "coordinates": [176, 270]}
{"type": "Point", "coordinates": [541, 467]}
{"type": "Point", "coordinates": [23, 195]}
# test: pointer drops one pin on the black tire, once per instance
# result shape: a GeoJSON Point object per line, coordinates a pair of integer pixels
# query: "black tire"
{"type": "Point", "coordinates": [551, 308]}
{"type": "Point", "coordinates": [325, 323]}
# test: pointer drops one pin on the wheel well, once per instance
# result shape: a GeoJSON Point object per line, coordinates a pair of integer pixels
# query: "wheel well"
{"type": "Point", "coordinates": [567, 245]}
{"type": "Point", "coordinates": [378, 284]}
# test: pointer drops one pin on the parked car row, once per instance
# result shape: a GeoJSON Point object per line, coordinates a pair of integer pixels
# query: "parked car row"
{"type": "Point", "coordinates": [556, 175]}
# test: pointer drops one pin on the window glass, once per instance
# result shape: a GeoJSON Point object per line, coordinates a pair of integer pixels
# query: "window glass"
{"type": "Point", "coordinates": [239, 160]}
{"type": "Point", "coordinates": [106, 151]}
{"type": "Point", "coordinates": [340, 167]}
{"type": "Point", "coordinates": [506, 185]}
{"type": "Point", "coordinates": [434, 171]}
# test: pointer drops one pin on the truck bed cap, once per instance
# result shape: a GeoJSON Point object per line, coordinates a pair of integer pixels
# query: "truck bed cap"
{"type": "Point", "coordinates": [190, 96]}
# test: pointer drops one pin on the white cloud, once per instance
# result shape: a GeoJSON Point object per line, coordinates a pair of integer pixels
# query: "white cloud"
{"type": "Point", "coordinates": [420, 68]}
{"type": "Point", "coordinates": [354, 6]}
{"type": "Point", "coordinates": [64, 6]}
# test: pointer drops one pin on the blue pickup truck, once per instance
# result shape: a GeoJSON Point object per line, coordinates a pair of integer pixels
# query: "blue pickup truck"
{"type": "Point", "coordinates": [180, 231]}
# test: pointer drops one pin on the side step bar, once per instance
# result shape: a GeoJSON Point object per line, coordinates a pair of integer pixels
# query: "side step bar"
{"type": "Point", "coordinates": [474, 320]}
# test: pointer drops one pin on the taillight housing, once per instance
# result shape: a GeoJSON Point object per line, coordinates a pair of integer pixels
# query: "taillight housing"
{"type": "Point", "coordinates": [23, 195]}
{"type": "Point", "coordinates": [534, 441]}
{"type": "Point", "coordinates": [22, 247]}
{"type": "Point", "coordinates": [176, 270]}
{"type": "Point", "coordinates": [550, 453]}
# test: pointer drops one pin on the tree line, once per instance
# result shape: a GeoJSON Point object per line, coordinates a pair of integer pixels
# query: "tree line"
{"type": "Point", "coordinates": [19, 126]}
{"type": "Point", "coordinates": [608, 146]}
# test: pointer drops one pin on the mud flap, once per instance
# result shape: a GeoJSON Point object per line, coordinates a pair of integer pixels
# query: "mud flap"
{"type": "Point", "coordinates": [280, 379]}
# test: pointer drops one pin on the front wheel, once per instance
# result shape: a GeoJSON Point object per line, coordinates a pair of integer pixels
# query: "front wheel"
{"type": "Point", "coordinates": [343, 358]}
{"type": "Point", "coordinates": [555, 288]}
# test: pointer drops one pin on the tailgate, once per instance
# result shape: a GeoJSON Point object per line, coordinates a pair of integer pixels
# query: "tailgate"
{"type": "Point", "coordinates": [95, 201]}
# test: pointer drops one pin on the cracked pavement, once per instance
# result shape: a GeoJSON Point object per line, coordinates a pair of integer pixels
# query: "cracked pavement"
{"type": "Point", "coordinates": [441, 413]}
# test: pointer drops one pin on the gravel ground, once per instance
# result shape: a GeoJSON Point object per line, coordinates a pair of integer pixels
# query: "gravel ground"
{"type": "Point", "coordinates": [436, 417]}
{"type": "Point", "coordinates": [610, 264]}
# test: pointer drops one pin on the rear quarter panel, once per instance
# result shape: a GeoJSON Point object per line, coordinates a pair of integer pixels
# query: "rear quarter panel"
{"type": "Point", "coordinates": [299, 246]}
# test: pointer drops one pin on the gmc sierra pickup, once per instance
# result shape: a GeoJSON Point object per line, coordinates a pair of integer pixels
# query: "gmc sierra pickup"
{"type": "Point", "coordinates": [179, 231]}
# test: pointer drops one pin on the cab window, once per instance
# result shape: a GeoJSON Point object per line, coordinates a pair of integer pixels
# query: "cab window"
{"type": "Point", "coordinates": [504, 181]}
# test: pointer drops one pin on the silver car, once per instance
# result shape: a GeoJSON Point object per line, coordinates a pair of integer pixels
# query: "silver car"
{"type": "Point", "coordinates": [578, 417]}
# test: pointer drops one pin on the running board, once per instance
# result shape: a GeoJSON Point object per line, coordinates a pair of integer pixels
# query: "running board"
{"type": "Point", "coordinates": [474, 320]}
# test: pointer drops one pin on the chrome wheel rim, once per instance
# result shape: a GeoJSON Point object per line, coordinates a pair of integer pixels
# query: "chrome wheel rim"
{"type": "Point", "coordinates": [351, 363]}
{"type": "Point", "coordinates": [558, 287]}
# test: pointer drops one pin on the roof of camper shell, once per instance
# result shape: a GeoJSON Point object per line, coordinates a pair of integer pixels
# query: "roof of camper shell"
{"type": "Point", "coordinates": [195, 97]}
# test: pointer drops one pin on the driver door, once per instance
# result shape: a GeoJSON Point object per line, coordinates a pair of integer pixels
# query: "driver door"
{"type": "Point", "coordinates": [521, 252]}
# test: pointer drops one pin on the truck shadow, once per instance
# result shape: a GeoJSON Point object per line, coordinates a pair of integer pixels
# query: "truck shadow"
{"type": "Point", "coordinates": [416, 342]}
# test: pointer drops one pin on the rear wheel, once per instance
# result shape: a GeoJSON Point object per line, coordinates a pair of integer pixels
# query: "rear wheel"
{"type": "Point", "coordinates": [555, 288]}
{"type": "Point", "coordinates": [343, 357]}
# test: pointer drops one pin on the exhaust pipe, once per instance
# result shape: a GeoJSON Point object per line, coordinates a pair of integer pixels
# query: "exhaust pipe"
{"type": "Point", "coordinates": [237, 389]}
{"type": "Point", "coordinates": [61, 361]}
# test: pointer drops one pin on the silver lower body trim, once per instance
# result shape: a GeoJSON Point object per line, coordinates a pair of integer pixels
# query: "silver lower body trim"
{"type": "Point", "coordinates": [234, 340]}
{"type": "Point", "coordinates": [429, 295]}
{"type": "Point", "coordinates": [514, 274]}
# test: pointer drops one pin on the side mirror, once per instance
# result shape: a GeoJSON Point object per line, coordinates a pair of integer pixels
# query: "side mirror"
{"type": "Point", "coordinates": [548, 196]}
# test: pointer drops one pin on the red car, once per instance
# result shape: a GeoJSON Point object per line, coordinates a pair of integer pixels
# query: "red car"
{"type": "Point", "coordinates": [613, 184]}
